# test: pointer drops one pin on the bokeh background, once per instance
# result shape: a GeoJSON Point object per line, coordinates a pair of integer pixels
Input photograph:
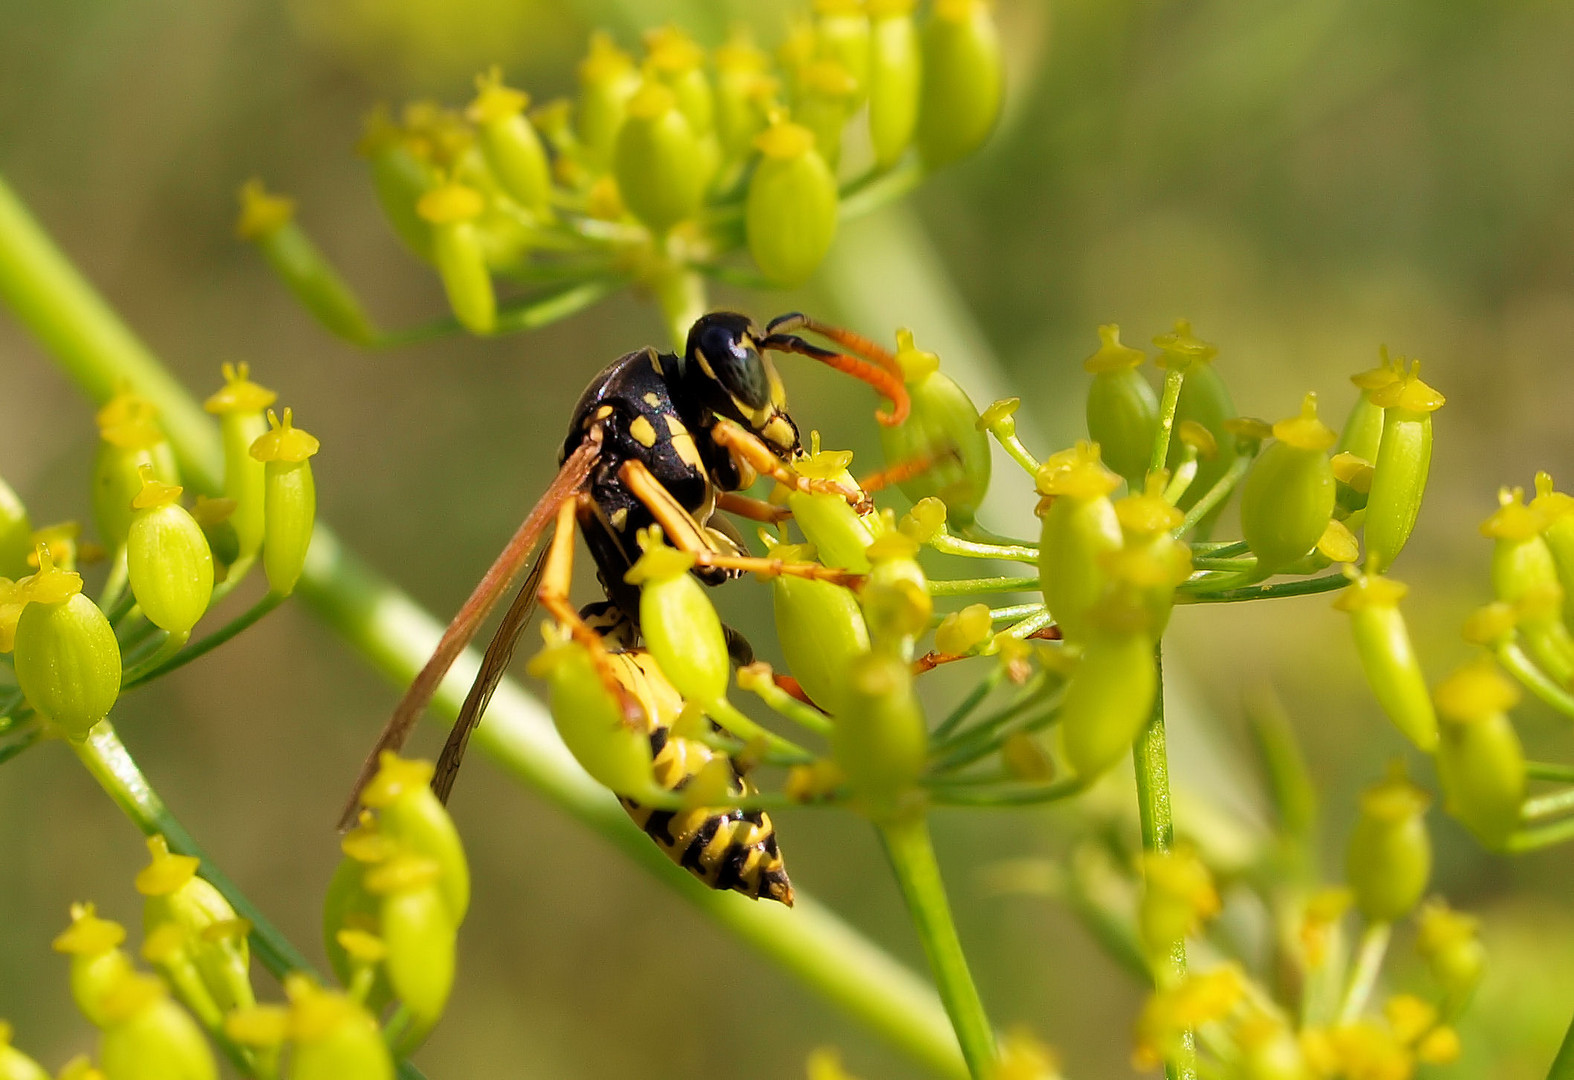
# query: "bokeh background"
{"type": "Point", "coordinates": [1304, 180]}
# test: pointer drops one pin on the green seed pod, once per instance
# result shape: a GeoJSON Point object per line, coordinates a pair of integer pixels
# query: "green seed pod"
{"type": "Point", "coordinates": [679, 622]}
{"type": "Point", "coordinates": [1392, 671]}
{"type": "Point", "coordinates": [745, 95]}
{"type": "Point", "coordinates": [840, 536]}
{"type": "Point", "coordinates": [1480, 762]}
{"type": "Point", "coordinates": [290, 502]}
{"type": "Point", "coordinates": [1357, 449]}
{"type": "Point", "coordinates": [67, 658]}
{"type": "Point", "coordinates": [16, 535]}
{"type": "Point", "coordinates": [790, 214]}
{"type": "Point", "coordinates": [207, 936]}
{"type": "Point", "coordinates": [1389, 860]}
{"type": "Point", "coordinates": [419, 932]}
{"type": "Point", "coordinates": [130, 438]}
{"type": "Point", "coordinates": [658, 161]}
{"type": "Point", "coordinates": [895, 597]}
{"type": "Point", "coordinates": [826, 96]}
{"type": "Point", "coordinates": [679, 63]}
{"type": "Point", "coordinates": [963, 81]}
{"type": "Point", "coordinates": [351, 914]}
{"type": "Point", "coordinates": [1524, 573]}
{"type": "Point", "coordinates": [452, 210]}
{"type": "Point", "coordinates": [1177, 896]}
{"type": "Point", "coordinates": [942, 430]}
{"type": "Point", "coordinates": [960, 632]}
{"type": "Point", "coordinates": [168, 562]}
{"type": "Point", "coordinates": [1108, 699]}
{"type": "Point", "coordinates": [334, 1038]}
{"type": "Point", "coordinates": [1449, 941]}
{"type": "Point", "coordinates": [1123, 410]}
{"type": "Point", "coordinates": [510, 144]}
{"type": "Point", "coordinates": [1288, 498]}
{"type": "Point", "coordinates": [880, 739]}
{"type": "Point", "coordinates": [821, 629]}
{"type": "Point", "coordinates": [613, 751]}
{"type": "Point", "coordinates": [1399, 472]}
{"type": "Point", "coordinates": [1150, 563]}
{"type": "Point", "coordinates": [98, 964]}
{"type": "Point", "coordinates": [607, 79]}
{"type": "Point", "coordinates": [1556, 511]}
{"type": "Point", "coordinates": [412, 815]}
{"type": "Point", "coordinates": [1205, 401]}
{"type": "Point", "coordinates": [895, 79]}
{"type": "Point", "coordinates": [400, 176]}
{"type": "Point", "coordinates": [149, 1037]}
{"type": "Point", "coordinates": [842, 33]}
{"type": "Point", "coordinates": [15, 1065]}
{"type": "Point", "coordinates": [269, 222]}
{"type": "Point", "coordinates": [1079, 527]}
{"type": "Point", "coordinates": [240, 407]}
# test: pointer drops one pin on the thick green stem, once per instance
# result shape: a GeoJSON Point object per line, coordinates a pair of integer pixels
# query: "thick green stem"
{"type": "Point", "coordinates": [99, 352]}
{"type": "Point", "coordinates": [912, 857]}
{"type": "Point", "coordinates": [1155, 816]}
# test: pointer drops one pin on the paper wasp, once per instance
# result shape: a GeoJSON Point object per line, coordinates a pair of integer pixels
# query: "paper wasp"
{"type": "Point", "coordinates": [663, 439]}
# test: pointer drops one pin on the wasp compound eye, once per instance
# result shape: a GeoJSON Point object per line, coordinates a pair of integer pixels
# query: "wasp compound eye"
{"type": "Point", "coordinates": [722, 345]}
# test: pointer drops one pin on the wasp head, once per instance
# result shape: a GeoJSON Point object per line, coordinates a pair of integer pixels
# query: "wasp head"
{"type": "Point", "coordinates": [732, 376]}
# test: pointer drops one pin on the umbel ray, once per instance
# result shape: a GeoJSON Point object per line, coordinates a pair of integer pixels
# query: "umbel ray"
{"type": "Point", "coordinates": [666, 440]}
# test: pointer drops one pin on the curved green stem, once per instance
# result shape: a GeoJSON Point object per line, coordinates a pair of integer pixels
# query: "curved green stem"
{"type": "Point", "coordinates": [1303, 587]}
{"type": "Point", "coordinates": [1538, 682]}
{"type": "Point", "coordinates": [1214, 496]}
{"type": "Point", "coordinates": [783, 703]}
{"type": "Point", "coordinates": [948, 544]}
{"type": "Point", "coordinates": [969, 586]}
{"type": "Point", "coordinates": [1019, 453]}
{"type": "Point", "coordinates": [142, 670]}
{"type": "Point", "coordinates": [912, 856]}
{"type": "Point", "coordinates": [1559, 832]}
{"type": "Point", "coordinates": [241, 622]}
{"type": "Point", "coordinates": [877, 189]}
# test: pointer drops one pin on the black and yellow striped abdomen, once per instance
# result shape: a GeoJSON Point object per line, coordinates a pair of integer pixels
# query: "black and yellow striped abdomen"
{"type": "Point", "coordinates": [724, 848]}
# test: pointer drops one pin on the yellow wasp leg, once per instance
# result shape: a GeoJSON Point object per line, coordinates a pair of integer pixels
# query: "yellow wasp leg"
{"type": "Point", "coordinates": [751, 451]}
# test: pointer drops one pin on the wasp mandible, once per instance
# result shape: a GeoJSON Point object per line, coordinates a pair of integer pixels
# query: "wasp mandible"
{"type": "Point", "coordinates": [656, 439]}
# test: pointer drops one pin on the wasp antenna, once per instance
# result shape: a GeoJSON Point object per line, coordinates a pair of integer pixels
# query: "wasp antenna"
{"type": "Point", "coordinates": [885, 380]}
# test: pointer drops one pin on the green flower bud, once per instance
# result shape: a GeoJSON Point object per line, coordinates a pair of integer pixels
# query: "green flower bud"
{"type": "Point", "coordinates": [842, 33]}
{"type": "Point", "coordinates": [240, 407]}
{"type": "Point", "coordinates": [511, 146]}
{"type": "Point", "coordinates": [679, 622]}
{"type": "Point", "coordinates": [419, 931]}
{"type": "Point", "coordinates": [824, 101]}
{"type": "Point", "coordinates": [1357, 448]}
{"type": "Point", "coordinates": [191, 932]}
{"type": "Point", "coordinates": [16, 535]}
{"type": "Point", "coordinates": [1123, 410]}
{"type": "Point", "coordinates": [411, 815]}
{"type": "Point", "coordinates": [880, 739]}
{"type": "Point", "coordinates": [1144, 571]}
{"type": "Point", "coordinates": [895, 597]}
{"type": "Point", "coordinates": [130, 438]}
{"type": "Point", "coordinates": [1079, 527]}
{"type": "Point", "coordinates": [351, 915]}
{"type": "Point", "coordinates": [15, 1065]}
{"type": "Point", "coordinates": [98, 964]}
{"type": "Point", "coordinates": [400, 176]}
{"type": "Point", "coordinates": [149, 1037]}
{"type": "Point", "coordinates": [674, 58]}
{"type": "Point", "coordinates": [1399, 472]}
{"type": "Point", "coordinates": [790, 214]}
{"type": "Point", "coordinates": [658, 161]}
{"type": "Point", "coordinates": [1524, 573]}
{"type": "Point", "coordinates": [1389, 860]}
{"type": "Point", "coordinates": [943, 429]}
{"type": "Point", "coordinates": [1177, 896]}
{"type": "Point", "coordinates": [1392, 671]}
{"type": "Point", "coordinates": [1480, 762]}
{"type": "Point", "coordinates": [1449, 942]}
{"type": "Point", "coordinates": [290, 500]}
{"type": "Point", "coordinates": [614, 752]}
{"type": "Point", "coordinates": [963, 80]}
{"type": "Point", "coordinates": [745, 92]}
{"type": "Point", "coordinates": [452, 210]}
{"type": "Point", "coordinates": [335, 1039]}
{"type": "Point", "coordinates": [607, 79]}
{"type": "Point", "coordinates": [1205, 401]}
{"type": "Point", "coordinates": [895, 79]}
{"type": "Point", "coordinates": [841, 537]}
{"type": "Point", "coordinates": [269, 222]}
{"type": "Point", "coordinates": [1108, 699]}
{"type": "Point", "coordinates": [1288, 498]}
{"type": "Point", "coordinates": [168, 562]}
{"type": "Point", "coordinates": [960, 632]}
{"type": "Point", "coordinates": [1556, 510]}
{"type": "Point", "coordinates": [67, 658]}
{"type": "Point", "coordinates": [821, 629]}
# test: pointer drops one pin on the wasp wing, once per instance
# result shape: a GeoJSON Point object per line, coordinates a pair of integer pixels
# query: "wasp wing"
{"type": "Point", "coordinates": [569, 481]}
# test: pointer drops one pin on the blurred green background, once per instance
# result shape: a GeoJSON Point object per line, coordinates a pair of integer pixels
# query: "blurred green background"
{"type": "Point", "coordinates": [1304, 180]}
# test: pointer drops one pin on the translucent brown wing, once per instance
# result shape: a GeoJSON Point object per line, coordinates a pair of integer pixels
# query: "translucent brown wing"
{"type": "Point", "coordinates": [504, 570]}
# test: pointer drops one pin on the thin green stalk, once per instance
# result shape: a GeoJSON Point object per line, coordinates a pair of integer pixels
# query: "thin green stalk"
{"type": "Point", "coordinates": [1527, 671]}
{"type": "Point", "coordinates": [243, 621]}
{"type": "Point", "coordinates": [1174, 378]}
{"type": "Point", "coordinates": [912, 856]}
{"type": "Point", "coordinates": [877, 189]}
{"type": "Point", "coordinates": [965, 707]}
{"type": "Point", "coordinates": [970, 586]}
{"type": "Point", "coordinates": [1003, 796]}
{"type": "Point", "coordinates": [1156, 818]}
{"type": "Point", "coordinates": [1303, 587]}
{"type": "Point", "coordinates": [1549, 770]}
{"type": "Point", "coordinates": [1550, 805]}
{"type": "Point", "coordinates": [143, 668]}
{"type": "Point", "coordinates": [93, 347]}
{"type": "Point", "coordinates": [783, 703]}
{"type": "Point", "coordinates": [19, 743]}
{"type": "Point", "coordinates": [1215, 495]}
{"type": "Point", "coordinates": [1369, 958]}
{"type": "Point", "coordinates": [947, 544]}
{"type": "Point", "coordinates": [728, 716]}
{"type": "Point", "coordinates": [1018, 452]}
{"type": "Point", "coordinates": [1559, 832]}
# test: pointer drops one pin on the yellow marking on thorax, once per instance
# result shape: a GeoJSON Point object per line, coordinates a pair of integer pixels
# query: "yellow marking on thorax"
{"type": "Point", "coordinates": [604, 412]}
{"type": "Point", "coordinates": [688, 453]}
{"type": "Point", "coordinates": [652, 400]}
{"type": "Point", "coordinates": [643, 431]}
{"type": "Point", "coordinates": [674, 425]}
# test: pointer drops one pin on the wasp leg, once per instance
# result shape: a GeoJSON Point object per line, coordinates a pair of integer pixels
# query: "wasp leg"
{"type": "Point", "coordinates": [886, 380]}
{"type": "Point", "coordinates": [754, 453]}
{"type": "Point", "coordinates": [850, 340]}
{"type": "Point", "coordinates": [904, 471]}
{"type": "Point", "coordinates": [685, 535]}
{"type": "Point", "coordinates": [752, 509]}
{"type": "Point", "coordinates": [556, 577]}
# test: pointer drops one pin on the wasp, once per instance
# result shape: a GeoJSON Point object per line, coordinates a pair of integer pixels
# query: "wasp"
{"type": "Point", "coordinates": [656, 439]}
